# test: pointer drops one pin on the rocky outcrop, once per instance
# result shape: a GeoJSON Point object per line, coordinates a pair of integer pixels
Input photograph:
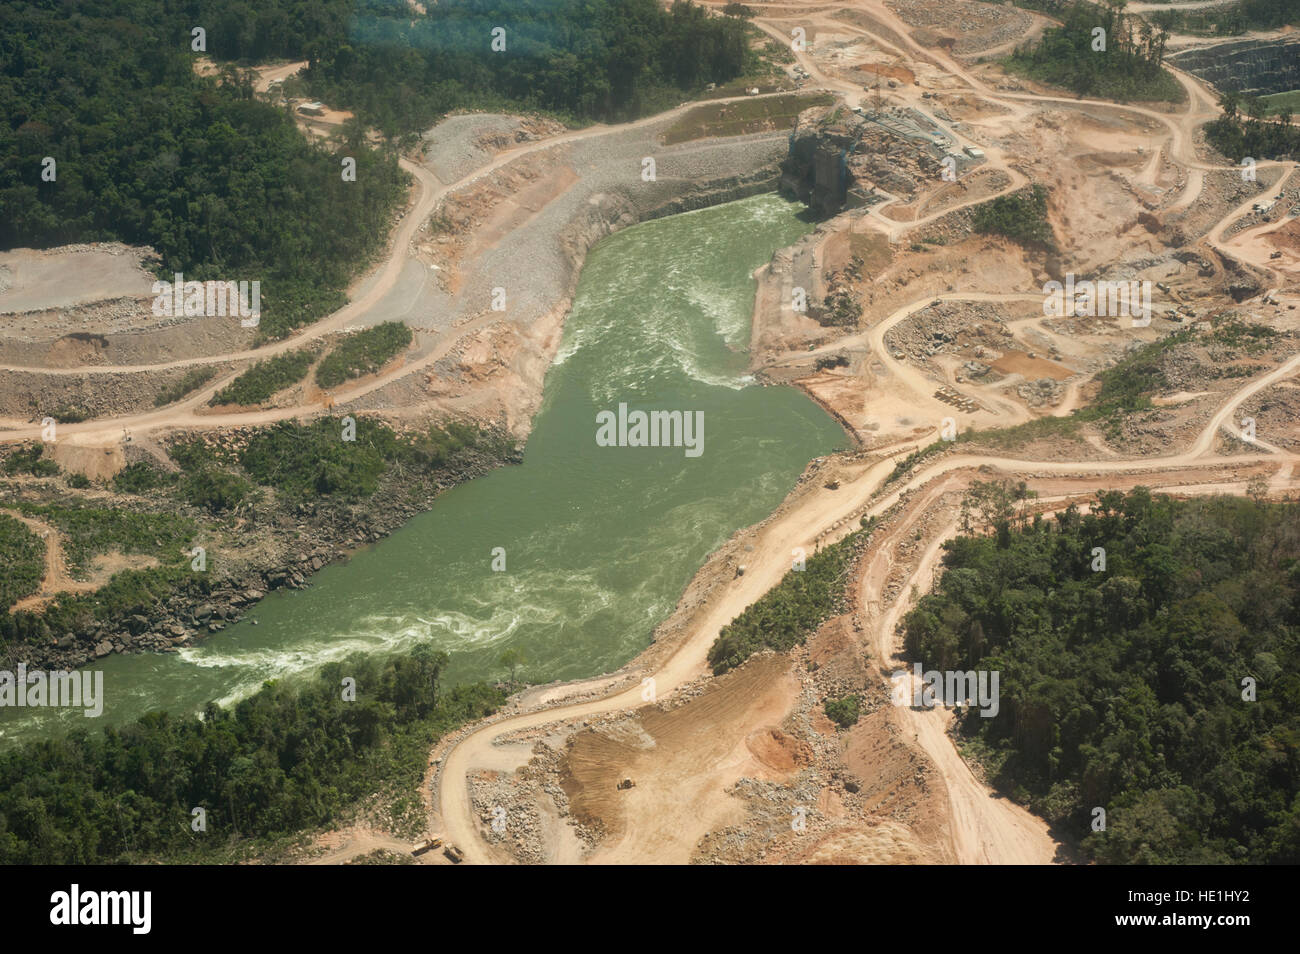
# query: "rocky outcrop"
{"type": "Point", "coordinates": [838, 158]}
{"type": "Point", "coordinates": [816, 169]}
{"type": "Point", "coordinates": [1255, 67]}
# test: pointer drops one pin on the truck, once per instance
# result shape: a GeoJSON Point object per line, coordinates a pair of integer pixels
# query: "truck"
{"type": "Point", "coordinates": [427, 845]}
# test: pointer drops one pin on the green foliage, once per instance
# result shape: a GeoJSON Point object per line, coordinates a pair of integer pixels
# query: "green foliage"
{"type": "Point", "coordinates": [293, 756]}
{"type": "Point", "coordinates": [746, 116]}
{"type": "Point", "coordinates": [141, 477]}
{"type": "Point", "coordinates": [839, 310]}
{"type": "Point", "coordinates": [843, 711]}
{"type": "Point", "coordinates": [90, 531]}
{"type": "Point", "coordinates": [31, 459]}
{"type": "Point", "coordinates": [1126, 388]}
{"type": "Point", "coordinates": [789, 612]}
{"type": "Point", "coordinates": [914, 458]}
{"type": "Point", "coordinates": [216, 490]}
{"type": "Point", "coordinates": [222, 185]}
{"type": "Point", "coordinates": [1122, 688]}
{"type": "Point", "coordinates": [1020, 216]}
{"type": "Point", "coordinates": [1248, 336]}
{"type": "Point", "coordinates": [363, 353]}
{"type": "Point", "coordinates": [308, 460]}
{"type": "Point", "coordinates": [1130, 67]}
{"type": "Point", "coordinates": [22, 554]}
{"type": "Point", "coordinates": [126, 593]}
{"type": "Point", "coordinates": [266, 378]}
{"type": "Point", "coordinates": [78, 481]}
{"type": "Point", "coordinates": [1254, 134]}
{"type": "Point", "coordinates": [71, 414]}
{"type": "Point", "coordinates": [192, 380]}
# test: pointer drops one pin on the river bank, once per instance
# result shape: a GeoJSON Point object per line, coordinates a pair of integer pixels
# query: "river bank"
{"type": "Point", "coordinates": [500, 387]}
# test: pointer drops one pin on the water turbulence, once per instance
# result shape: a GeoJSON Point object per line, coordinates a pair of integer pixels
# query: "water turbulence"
{"type": "Point", "coordinates": [599, 541]}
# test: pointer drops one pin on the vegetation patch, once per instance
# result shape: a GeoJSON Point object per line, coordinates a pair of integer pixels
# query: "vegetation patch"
{"type": "Point", "coordinates": [1020, 216]}
{"type": "Point", "coordinates": [309, 460]}
{"type": "Point", "coordinates": [743, 117]}
{"type": "Point", "coordinates": [222, 185]}
{"type": "Point", "coordinates": [789, 612]}
{"type": "Point", "coordinates": [843, 711]}
{"type": "Point", "coordinates": [266, 378]}
{"type": "Point", "coordinates": [1245, 128]}
{"type": "Point", "coordinates": [31, 459]}
{"type": "Point", "coordinates": [22, 554]}
{"type": "Point", "coordinates": [363, 353]}
{"type": "Point", "coordinates": [192, 380]}
{"type": "Point", "coordinates": [1128, 67]}
{"type": "Point", "coordinates": [90, 531]}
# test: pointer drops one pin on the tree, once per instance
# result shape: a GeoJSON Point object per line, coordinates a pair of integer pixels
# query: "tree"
{"type": "Point", "coordinates": [513, 658]}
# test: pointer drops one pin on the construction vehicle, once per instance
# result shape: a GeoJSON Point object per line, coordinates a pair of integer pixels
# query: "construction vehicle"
{"type": "Point", "coordinates": [427, 845]}
{"type": "Point", "coordinates": [454, 854]}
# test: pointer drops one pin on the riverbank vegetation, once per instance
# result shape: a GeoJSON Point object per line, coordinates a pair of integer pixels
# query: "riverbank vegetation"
{"type": "Point", "coordinates": [1124, 62]}
{"type": "Point", "coordinates": [791, 611]}
{"type": "Point", "coordinates": [293, 756]}
{"type": "Point", "coordinates": [267, 472]}
{"type": "Point", "coordinates": [1125, 687]}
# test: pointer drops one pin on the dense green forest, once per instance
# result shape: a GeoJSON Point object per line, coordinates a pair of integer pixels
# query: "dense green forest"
{"type": "Point", "coordinates": [1121, 688]}
{"type": "Point", "coordinates": [1128, 68]}
{"type": "Point", "coordinates": [225, 187]}
{"type": "Point", "coordinates": [288, 758]}
{"type": "Point", "coordinates": [1236, 135]}
{"type": "Point", "coordinates": [147, 152]}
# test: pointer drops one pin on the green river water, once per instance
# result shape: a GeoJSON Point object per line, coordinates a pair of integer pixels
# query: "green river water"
{"type": "Point", "coordinates": [599, 541]}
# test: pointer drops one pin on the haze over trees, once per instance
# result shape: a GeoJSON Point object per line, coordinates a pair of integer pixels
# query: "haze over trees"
{"type": "Point", "coordinates": [399, 71]}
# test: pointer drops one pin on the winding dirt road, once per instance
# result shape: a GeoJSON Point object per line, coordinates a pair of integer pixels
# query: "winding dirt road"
{"type": "Point", "coordinates": [984, 829]}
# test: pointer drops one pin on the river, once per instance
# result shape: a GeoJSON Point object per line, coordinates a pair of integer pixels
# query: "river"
{"type": "Point", "coordinates": [598, 541]}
